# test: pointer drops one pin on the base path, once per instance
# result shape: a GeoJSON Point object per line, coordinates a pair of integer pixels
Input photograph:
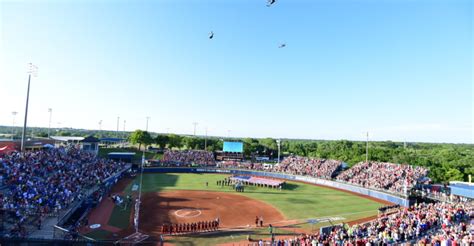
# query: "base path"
{"type": "Point", "coordinates": [184, 206]}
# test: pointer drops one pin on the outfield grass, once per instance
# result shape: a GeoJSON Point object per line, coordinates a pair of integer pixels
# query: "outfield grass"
{"type": "Point", "coordinates": [299, 202]}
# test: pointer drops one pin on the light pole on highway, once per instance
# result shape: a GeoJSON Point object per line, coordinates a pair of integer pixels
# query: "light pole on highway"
{"type": "Point", "coordinates": [32, 70]}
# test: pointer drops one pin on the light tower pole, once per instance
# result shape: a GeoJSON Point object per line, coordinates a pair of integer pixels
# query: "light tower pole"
{"type": "Point", "coordinates": [147, 118]}
{"type": "Point", "coordinates": [118, 123]}
{"type": "Point", "coordinates": [13, 125]}
{"type": "Point", "coordinates": [50, 110]}
{"type": "Point", "coordinates": [367, 149]}
{"type": "Point", "coordinates": [205, 140]}
{"type": "Point", "coordinates": [32, 70]}
{"type": "Point", "coordinates": [278, 143]}
{"type": "Point", "coordinates": [195, 124]}
{"type": "Point", "coordinates": [124, 134]}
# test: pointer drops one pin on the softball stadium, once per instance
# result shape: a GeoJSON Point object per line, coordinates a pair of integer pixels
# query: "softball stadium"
{"type": "Point", "coordinates": [199, 197]}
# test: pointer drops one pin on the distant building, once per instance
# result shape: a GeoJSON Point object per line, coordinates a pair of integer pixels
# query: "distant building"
{"type": "Point", "coordinates": [8, 146]}
{"type": "Point", "coordinates": [90, 144]}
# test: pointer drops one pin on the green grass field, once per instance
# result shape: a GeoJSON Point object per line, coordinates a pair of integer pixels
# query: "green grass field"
{"type": "Point", "coordinates": [298, 202]}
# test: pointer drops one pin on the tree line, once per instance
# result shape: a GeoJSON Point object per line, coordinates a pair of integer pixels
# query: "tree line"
{"type": "Point", "coordinates": [447, 162]}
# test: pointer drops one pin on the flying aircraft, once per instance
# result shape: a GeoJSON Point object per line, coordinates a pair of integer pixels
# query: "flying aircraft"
{"type": "Point", "coordinates": [270, 2]}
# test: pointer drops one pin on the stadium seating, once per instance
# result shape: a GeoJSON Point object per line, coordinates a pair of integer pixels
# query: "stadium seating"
{"type": "Point", "coordinates": [392, 177]}
{"type": "Point", "coordinates": [188, 157]}
{"type": "Point", "coordinates": [425, 223]}
{"type": "Point", "coordinates": [47, 181]}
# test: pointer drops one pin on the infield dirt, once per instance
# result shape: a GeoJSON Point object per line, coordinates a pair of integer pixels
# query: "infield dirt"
{"type": "Point", "coordinates": [184, 206]}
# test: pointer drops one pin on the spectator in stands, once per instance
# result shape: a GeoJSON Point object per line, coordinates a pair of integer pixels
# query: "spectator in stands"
{"type": "Point", "coordinates": [297, 165]}
{"type": "Point", "coordinates": [429, 224]}
{"type": "Point", "coordinates": [47, 181]}
{"type": "Point", "coordinates": [188, 157]}
{"type": "Point", "coordinates": [396, 178]}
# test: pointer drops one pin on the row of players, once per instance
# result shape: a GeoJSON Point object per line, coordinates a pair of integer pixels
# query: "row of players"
{"type": "Point", "coordinates": [190, 227]}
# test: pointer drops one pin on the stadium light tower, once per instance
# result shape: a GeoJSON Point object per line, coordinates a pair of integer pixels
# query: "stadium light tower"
{"type": "Point", "coordinates": [367, 149]}
{"type": "Point", "coordinates": [13, 125]}
{"type": "Point", "coordinates": [195, 124]}
{"type": "Point", "coordinates": [147, 118]}
{"type": "Point", "coordinates": [278, 143]}
{"type": "Point", "coordinates": [118, 123]}
{"type": "Point", "coordinates": [32, 70]}
{"type": "Point", "coordinates": [50, 110]}
{"type": "Point", "coordinates": [205, 140]}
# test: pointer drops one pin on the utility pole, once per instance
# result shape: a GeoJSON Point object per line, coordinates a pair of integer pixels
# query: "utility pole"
{"type": "Point", "coordinates": [50, 110]}
{"type": "Point", "coordinates": [32, 70]}
{"type": "Point", "coordinates": [367, 149]}
{"type": "Point", "coordinates": [13, 125]}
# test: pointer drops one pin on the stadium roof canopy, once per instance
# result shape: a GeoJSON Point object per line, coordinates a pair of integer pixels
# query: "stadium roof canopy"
{"type": "Point", "coordinates": [111, 139]}
{"type": "Point", "coordinates": [67, 139]}
{"type": "Point", "coordinates": [121, 153]}
{"type": "Point", "coordinates": [90, 139]}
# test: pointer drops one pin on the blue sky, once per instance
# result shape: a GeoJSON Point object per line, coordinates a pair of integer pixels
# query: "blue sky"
{"type": "Point", "coordinates": [400, 69]}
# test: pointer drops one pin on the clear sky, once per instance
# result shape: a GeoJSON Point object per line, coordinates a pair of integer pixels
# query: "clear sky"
{"type": "Point", "coordinates": [400, 69]}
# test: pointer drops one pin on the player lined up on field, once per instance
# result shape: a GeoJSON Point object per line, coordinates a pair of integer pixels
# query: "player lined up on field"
{"type": "Point", "coordinates": [200, 226]}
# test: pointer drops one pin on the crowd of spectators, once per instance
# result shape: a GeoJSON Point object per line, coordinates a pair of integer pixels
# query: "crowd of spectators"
{"type": "Point", "coordinates": [47, 181]}
{"type": "Point", "coordinates": [398, 178]}
{"type": "Point", "coordinates": [425, 223]}
{"type": "Point", "coordinates": [242, 165]}
{"type": "Point", "coordinates": [298, 165]}
{"type": "Point", "coordinates": [188, 157]}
